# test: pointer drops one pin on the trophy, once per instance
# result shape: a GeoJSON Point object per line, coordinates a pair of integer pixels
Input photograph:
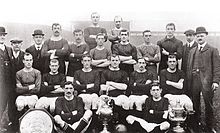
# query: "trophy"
{"type": "Point", "coordinates": [178, 116]}
{"type": "Point", "coordinates": [105, 112]}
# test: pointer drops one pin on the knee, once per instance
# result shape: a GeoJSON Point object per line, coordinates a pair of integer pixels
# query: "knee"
{"type": "Point", "coordinates": [87, 115]}
{"type": "Point", "coordinates": [32, 100]}
{"type": "Point", "coordinates": [41, 103]}
{"type": "Point", "coordinates": [164, 125]}
{"type": "Point", "coordinates": [20, 103]}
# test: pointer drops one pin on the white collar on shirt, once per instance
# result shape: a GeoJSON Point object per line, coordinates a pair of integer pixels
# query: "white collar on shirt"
{"type": "Point", "coordinates": [202, 45]}
{"type": "Point", "coordinates": [95, 25]}
{"type": "Point", "coordinates": [191, 43]}
{"type": "Point", "coordinates": [118, 29]}
{"type": "Point", "coordinates": [53, 38]}
{"type": "Point", "coordinates": [15, 54]}
{"type": "Point", "coordinates": [2, 47]}
{"type": "Point", "coordinates": [38, 46]}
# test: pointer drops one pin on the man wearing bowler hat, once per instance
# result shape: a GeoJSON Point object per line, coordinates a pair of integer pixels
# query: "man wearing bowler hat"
{"type": "Point", "coordinates": [35, 50]}
{"type": "Point", "coordinates": [203, 74]}
{"type": "Point", "coordinates": [5, 72]}
{"type": "Point", "coordinates": [190, 43]}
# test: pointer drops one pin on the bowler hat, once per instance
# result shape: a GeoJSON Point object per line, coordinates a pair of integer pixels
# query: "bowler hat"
{"type": "Point", "coordinates": [201, 30]}
{"type": "Point", "coordinates": [38, 32]}
{"type": "Point", "coordinates": [16, 40]}
{"type": "Point", "coordinates": [189, 32]}
{"type": "Point", "coordinates": [2, 30]}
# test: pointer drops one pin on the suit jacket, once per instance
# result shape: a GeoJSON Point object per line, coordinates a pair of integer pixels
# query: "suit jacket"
{"type": "Point", "coordinates": [186, 54]}
{"type": "Point", "coordinates": [210, 72]}
{"type": "Point", "coordinates": [38, 60]}
{"type": "Point", "coordinates": [5, 70]}
{"type": "Point", "coordinates": [17, 64]}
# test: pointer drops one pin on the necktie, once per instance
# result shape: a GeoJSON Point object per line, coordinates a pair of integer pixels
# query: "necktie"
{"type": "Point", "coordinates": [200, 49]}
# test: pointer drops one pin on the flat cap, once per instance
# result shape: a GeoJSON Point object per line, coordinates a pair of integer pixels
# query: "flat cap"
{"type": "Point", "coordinates": [16, 40]}
{"type": "Point", "coordinates": [189, 32]}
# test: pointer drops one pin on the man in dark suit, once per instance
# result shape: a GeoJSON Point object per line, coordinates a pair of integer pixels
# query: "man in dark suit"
{"type": "Point", "coordinates": [190, 43]}
{"type": "Point", "coordinates": [203, 74]}
{"type": "Point", "coordinates": [17, 64]}
{"type": "Point", "coordinates": [5, 72]}
{"type": "Point", "coordinates": [35, 50]}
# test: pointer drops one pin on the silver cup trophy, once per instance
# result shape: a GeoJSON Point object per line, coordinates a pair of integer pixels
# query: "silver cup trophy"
{"type": "Point", "coordinates": [178, 116]}
{"type": "Point", "coordinates": [105, 112]}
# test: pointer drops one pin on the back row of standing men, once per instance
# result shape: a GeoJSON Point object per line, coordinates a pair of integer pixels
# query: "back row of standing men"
{"type": "Point", "coordinates": [200, 61]}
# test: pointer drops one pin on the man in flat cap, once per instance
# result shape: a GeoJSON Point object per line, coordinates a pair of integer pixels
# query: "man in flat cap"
{"type": "Point", "coordinates": [17, 64]}
{"type": "Point", "coordinates": [203, 74]}
{"type": "Point", "coordinates": [36, 49]}
{"type": "Point", "coordinates": [5, 72]}
{"type": "Point", "coordinates": [190, 43]}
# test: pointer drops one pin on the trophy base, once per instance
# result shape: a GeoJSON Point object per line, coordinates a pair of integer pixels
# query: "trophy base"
{"type": "Point", "coordinates": [105, 131]}
{"type": "Point", "coordinates": [178, 129]}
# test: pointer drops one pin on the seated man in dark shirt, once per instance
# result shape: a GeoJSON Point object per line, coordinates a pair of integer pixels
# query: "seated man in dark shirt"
{"type": "Point", "coordinates": [171, 80]}
{"type": "Point", "coordinates": [86, 82]}
{"type": "Point", "coordinates": [155, 112]}
{"type": "Point", "coordinates": [139, 85]}
{"type": "Point", "coordinates": [50, 88]}
{"type": "Point", "coordinates": [70, 113]}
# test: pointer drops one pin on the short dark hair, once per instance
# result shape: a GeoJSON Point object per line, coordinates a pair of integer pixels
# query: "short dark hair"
{"type": "Point", "coordinates": [155, 83]}
{"type": "Point", "coordinates": [55, 24]}
{"type": "Point", "coordinates": [66, 83]}
{"type": "Point", "coordinates": [100, 34]}
{"type": "Point", "coordinates": [146, 31]}
{"type": "Point", "coordinates": [86, 55]}
{"type": "Point", "coordinates": [27, 54]}
{"type": "Point", "coordinates": [171, 24]}
{"type": "Point", "coordinates": [54, 61]}
{"type": "Point", "coordinates": [124, 30]}
{"type": "Point", "coordinates": [77, 30]}
{"type": "Point", "coordinates": [114, 55]}
{"type": "Point", "coordinates": [172, 56]}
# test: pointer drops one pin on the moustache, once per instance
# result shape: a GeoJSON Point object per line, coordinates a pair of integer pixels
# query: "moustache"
{"type": "Point", "coordinates": [57, 32]}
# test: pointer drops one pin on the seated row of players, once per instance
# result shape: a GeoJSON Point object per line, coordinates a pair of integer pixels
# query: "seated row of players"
{"type": "Point", "coordinates": [113, 81]}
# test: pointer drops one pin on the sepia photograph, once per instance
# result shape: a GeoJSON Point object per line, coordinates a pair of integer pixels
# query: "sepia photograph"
{"type": "Point", "coordinates": [117, 66]}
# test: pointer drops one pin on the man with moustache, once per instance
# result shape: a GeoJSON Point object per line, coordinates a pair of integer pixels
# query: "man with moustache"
{"type": "Point", "coordinates": [5, 72]}
{"type": "Point", "coordinates": [36, 49]}
{"type": "Point", "coordinates": [76, 51]}
{"type": "Point", "coordinates": [113, 37]}
{"type": "Point", "coordinates": [17, 64]}
{"type": "Point", "coordinates": [203, 74]}
{"type": "Point", "coordinates": [55, 46]}
{"type": "Point", "coordinates": [69, 111]}
{"type": "Point", "coordinates": [150, 52]}
{"type": "Point", "coordinates": [169, 45]}
{"type": "Point", "coordinates": [91, 32]}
